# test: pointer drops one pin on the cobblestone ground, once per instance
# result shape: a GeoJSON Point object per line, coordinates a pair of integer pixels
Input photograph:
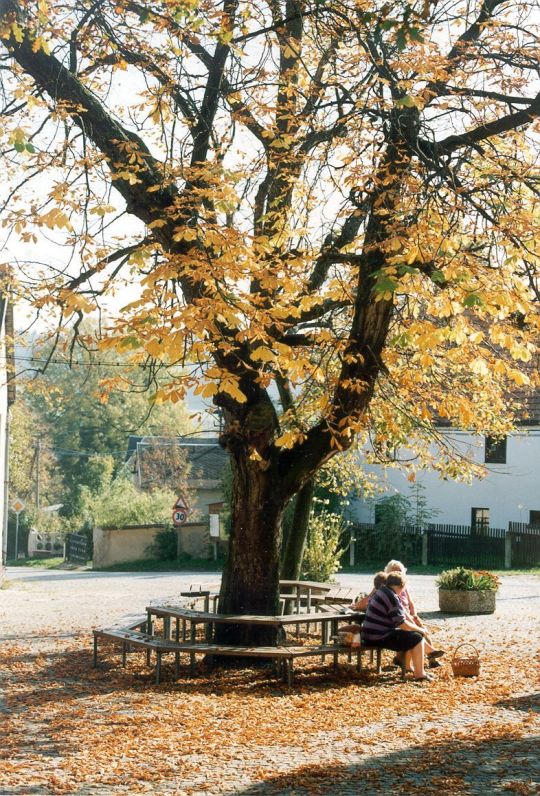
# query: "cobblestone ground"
{"type": "Point", "coordinates": [68, 729]}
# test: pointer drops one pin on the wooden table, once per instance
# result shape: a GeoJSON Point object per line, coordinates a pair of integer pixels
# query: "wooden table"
{"type": "Point", "coordinates": [308, 591]}
{"type": "Point", "coordinates": [304, 593]}
{"type": "Point", "coordinates": [329, 621]}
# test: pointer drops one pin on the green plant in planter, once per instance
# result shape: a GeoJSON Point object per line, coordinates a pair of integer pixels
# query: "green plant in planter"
{"type": "Point", "coordinates": [467, 591]}
{"type": "Point", "coordinates": [464, 579]}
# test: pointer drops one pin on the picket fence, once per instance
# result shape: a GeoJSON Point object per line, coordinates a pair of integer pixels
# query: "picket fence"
{"type": "Point", "coordinates": [451, 545]}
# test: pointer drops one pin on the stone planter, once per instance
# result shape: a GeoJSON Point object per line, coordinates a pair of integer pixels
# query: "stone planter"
{"type": "Point", "coordinates": [467, 602]}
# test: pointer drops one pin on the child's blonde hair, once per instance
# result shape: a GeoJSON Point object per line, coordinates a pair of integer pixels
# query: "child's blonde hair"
{"type": "Point", "coordinates": [395, 566]}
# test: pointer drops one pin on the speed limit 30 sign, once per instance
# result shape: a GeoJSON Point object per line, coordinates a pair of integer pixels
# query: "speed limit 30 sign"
{"type": "Point", "coordinates": [179, 516]}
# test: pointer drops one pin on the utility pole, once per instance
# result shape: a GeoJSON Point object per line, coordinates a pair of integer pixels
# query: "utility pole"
{"type": "Point", "coordinates": [38, 483]}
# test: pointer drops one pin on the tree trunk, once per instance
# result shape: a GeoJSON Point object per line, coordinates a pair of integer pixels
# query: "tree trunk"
{"type": "Point", "coordinates": [250, 583]}
{"type": "Point", "coordinates": [296, 540]}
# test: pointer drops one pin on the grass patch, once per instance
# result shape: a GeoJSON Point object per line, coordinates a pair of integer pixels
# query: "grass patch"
{"type": "Point", "coordinates": [156, 565]}
{"type": "Point", "coordinates": [41, 563]}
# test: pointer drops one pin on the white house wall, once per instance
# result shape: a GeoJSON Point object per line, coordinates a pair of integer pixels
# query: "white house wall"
{"type": "Point", "coordinates": [510, 491]}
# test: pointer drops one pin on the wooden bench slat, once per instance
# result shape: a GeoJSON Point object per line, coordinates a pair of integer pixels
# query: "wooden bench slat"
{"type": "Point", "coordinates": [286, 654]}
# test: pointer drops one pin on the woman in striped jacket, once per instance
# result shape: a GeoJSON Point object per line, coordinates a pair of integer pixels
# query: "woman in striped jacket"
{"type": "Point", "coordinates": [386, 625]}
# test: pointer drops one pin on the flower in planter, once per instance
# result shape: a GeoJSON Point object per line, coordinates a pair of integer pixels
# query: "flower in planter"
{"type": "Point", "coordinates": [465, 579]}
{"type": "Point", "coordinates": [467, 591]}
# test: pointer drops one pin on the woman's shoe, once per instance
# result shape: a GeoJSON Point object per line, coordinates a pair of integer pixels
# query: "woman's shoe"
{"type": "Point", "coordinates": [435, 654]}
{"type": "Point", "coordinates": [424, 677]}
{"type": "Point", "coordinates": [434, 664]}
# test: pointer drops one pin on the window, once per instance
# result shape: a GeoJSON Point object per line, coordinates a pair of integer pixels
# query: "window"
{"type": "Point", "coordinates": [479, 520]}
{"type": "Point", "coordinates": [534, 517]}
{"type": "Point", "coordinates": [495, 452]}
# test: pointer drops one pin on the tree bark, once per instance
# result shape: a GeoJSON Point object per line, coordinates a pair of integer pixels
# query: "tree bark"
{"type": "Point", "coordinates": [250, 582]}
{"type": "Point", "coordinates": [295, 543]}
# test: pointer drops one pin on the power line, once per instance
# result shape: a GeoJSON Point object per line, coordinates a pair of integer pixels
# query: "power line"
{"type": "Point", "coordinates": [82, 364]}
{"type": "Point", "coordinates": [165, 443]}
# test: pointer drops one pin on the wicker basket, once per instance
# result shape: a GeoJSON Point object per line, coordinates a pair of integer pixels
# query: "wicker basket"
{"type": "Point", "coordinates": [466, 665]}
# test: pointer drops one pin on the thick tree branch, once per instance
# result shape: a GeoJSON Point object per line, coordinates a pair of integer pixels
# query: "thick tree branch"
{"type": "Point", "coordinates": [474, 137]}
{"type": "Point", "coordinates": [116, 142]}
{"type": "Point", "coordinates": [509, 99]}
{"type": "Point", "coordinates": [212, 93]}
{"type": "Point", "coordinates": [123, 253]}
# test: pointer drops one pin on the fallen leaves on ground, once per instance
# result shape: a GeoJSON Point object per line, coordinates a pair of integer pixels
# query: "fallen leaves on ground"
{"type": "Point", "coordinates": [66, 725]}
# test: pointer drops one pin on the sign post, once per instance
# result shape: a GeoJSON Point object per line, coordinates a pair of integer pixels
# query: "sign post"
{"type": "Point", "coordinates": [214, 533]}
{"type": "Point", "coordinates": [17, 506]}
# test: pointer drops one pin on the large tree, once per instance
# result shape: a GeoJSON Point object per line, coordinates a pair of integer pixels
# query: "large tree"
{"type": "Point", "coordinates": [335, 199]}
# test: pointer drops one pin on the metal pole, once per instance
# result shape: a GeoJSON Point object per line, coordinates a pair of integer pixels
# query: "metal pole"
{"type": "Point", "coordinates": [5, 518]}
{"type": "Point", "coordinates": [17, 536]}
{"type": "Point", "coordinates": [508, 550]}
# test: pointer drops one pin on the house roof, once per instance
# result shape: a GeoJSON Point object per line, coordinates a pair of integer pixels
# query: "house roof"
{"type": "Point", "coordinates": [205, 455]}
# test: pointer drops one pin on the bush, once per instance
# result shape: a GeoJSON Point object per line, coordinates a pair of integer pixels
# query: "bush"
{"type": "Point", "coordinates": [164, 547]}
{"type": "Point", "coordinates": [122, 504]}
{"type": "Point", "coordinates": [463, 579]}
{"type": "Point", "coordinates": [323, 550]}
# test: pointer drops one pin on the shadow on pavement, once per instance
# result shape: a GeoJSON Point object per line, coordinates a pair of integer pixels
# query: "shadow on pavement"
{"type": "Point", "coordinates": [503, 765]}
{"type": "Point", "coordinates": [527, 703]}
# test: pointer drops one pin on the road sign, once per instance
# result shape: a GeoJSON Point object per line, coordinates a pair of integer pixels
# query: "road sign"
{"type": "Point", "coordinates": [17, 506]}
{"type": "Point", "coordinates": [181, 511]}
{"type": "Point", "coordinates": [182, 503]}
{"type": "Point", "coordinates": [179, 516]}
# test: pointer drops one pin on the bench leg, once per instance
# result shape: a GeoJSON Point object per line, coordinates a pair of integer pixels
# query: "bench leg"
{"type": "Point", "coordinates": [335, 660]}
{"type": "Point", "coordinates": [378, 655]}
{"type": "Point", "coordinates": [288, 675]}
{"type": "Point", "coordinates": [150, 632]}
{"type": "Point", "coordinates": [192, 664]}
{"type": "Point", "coordinates": [176, 665]}
{"type": "Point", "coordinates": [95, 658]}
{"type": "Point", "coordinates": [358, 660]}
{"type": "Point", "coordinates": [124, 650]}
{"type": "Point", "coordinates": [158, 667]}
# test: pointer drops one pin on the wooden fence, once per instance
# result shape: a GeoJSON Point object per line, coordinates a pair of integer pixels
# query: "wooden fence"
{"type": "Point", "coordinates": [370, 543]}
{"type": "Point", "coordinates": [524, 544]}
{"type": "Point", "coordinates": [450, 545]}
{"type": "Point", "coordinates": [458, 545]}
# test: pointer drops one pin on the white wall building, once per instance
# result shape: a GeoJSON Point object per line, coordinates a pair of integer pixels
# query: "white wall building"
{"type": "Point", "coordinates": [510, 492]}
